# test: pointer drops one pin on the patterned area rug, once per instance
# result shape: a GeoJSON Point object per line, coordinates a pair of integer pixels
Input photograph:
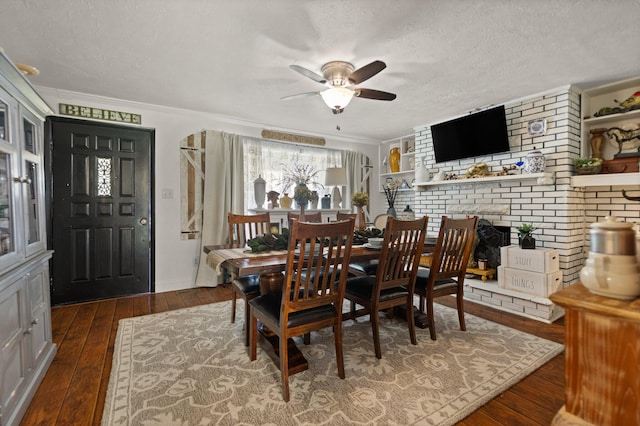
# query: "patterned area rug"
{"type": "Point", "coordinates": [190, 367]}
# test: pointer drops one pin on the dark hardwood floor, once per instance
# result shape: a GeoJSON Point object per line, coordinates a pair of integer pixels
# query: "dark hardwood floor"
{"type": "Point", "coordinates": [74, 388]}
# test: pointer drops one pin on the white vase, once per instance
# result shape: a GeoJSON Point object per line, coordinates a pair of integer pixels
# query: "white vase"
{"type": "Point", "coordinates": [259, 191]}
{"type": "Point", "coordinates": [421, 172]}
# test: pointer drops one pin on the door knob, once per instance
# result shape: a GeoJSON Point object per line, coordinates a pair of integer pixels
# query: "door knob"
{"type": "Point", "coordinates": [143, 221]}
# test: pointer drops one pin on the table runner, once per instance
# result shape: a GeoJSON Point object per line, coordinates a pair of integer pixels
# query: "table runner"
{"type": "Point", "coordinates": [216, 257]}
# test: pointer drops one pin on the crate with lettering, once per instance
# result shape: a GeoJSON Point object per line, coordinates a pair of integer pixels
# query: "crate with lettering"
{"type": "Point", "coordinates": [538, 260]}
{"type": "Point", "coordinates": [536, 283]}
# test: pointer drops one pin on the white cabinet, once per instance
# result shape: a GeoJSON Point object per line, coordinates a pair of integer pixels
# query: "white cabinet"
{"type": "Point", "coordinates": [592, 101]}
{"type": "Point", "coordinates": [26, 346]}
{"type": "Point", "coordinates": [278, 216]}
{"type": "Point", "coordinates": [406, 173]}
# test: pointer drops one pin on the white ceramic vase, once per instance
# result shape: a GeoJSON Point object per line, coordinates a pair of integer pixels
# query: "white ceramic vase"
{"type": "Point", "coordinates": [259, 191]}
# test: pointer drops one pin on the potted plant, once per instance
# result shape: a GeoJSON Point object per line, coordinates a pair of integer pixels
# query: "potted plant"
{"type": "Point", "coordinates": [525, 237]}
{"type": "Point", "coordinates": [360, 199]}
{"type": "Point", "coordinates": [587, 166]}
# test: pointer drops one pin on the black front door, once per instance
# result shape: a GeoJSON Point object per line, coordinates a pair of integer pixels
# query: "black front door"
{"type": "Point", "coordinates": [101, 216]}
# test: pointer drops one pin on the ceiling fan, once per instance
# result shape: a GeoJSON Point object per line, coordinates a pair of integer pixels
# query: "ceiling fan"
{"type": "Point", "coordinates": [341, 78]}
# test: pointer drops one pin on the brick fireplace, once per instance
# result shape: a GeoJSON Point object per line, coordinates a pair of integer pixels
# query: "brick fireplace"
{"type": "Point", "coordinates": [561, 213]}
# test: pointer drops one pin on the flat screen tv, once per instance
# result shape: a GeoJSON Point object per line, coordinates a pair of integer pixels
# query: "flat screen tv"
{"type": "Point", "coordinates": [474, 135]}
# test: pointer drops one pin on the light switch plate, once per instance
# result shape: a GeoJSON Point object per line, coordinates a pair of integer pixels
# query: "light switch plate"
{"type": "Point", "coordinates": [167, 193]}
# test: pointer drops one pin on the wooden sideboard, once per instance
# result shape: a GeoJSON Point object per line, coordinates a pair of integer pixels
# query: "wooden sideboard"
{"type": "Point", "coordinates": [602, 356]}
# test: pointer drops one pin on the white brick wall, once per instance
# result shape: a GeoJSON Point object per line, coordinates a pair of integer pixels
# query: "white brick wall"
{"type": "Point", "coordinates": [562, 214]}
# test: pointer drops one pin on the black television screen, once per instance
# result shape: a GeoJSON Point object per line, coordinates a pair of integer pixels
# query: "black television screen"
{"type": "Point", "coordinates": [473, 135]}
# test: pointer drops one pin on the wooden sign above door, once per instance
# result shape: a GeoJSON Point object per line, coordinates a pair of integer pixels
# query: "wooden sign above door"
{"type": "Point", "coordinates": [99, 114]}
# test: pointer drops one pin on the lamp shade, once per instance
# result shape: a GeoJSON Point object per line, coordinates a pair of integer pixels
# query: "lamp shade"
{"type": "Point", "coordinates": [336, 176]}
{"type": "Point", "coordinates": [337, 98]}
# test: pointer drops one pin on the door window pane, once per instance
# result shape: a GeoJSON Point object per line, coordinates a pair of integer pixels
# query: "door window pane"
{"type": "Point", "coordinates": [29, 136]}
{"type": "Point", "coordinates": [6, 220]}
{"type": "Point", "coordinates": [4, 118]}
{"type": "Point", "coordinates": [32, 203]}
{"type": "Point", "coordinates": [104, 177]}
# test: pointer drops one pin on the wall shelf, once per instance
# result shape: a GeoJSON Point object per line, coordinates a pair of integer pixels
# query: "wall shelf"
{"type": "Point", "coordinates": [624, 179]}
{"type": "Point", "coordinates": [540, 178]}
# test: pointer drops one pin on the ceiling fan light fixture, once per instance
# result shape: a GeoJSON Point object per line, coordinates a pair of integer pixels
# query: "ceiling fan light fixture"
{"type": "Point", "coordinates": [337, 98]}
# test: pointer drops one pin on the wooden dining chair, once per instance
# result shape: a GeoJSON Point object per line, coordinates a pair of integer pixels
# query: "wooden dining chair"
{"type": "Point", "coordinates": [241, 229]}
{"type": "Point", "coordinates": [392, 284]}
{"type": "Point", "coordinates": [307, 304]}
{"type": "Point", "coordinates": [448, 267]}
{"type": "Point", "coordinates": [308, 217]}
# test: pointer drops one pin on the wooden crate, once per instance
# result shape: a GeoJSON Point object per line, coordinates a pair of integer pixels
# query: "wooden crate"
{"type": "Point", "coordinates": [538, 284]}
{"type": "Point", "coordinates": [538, 260]}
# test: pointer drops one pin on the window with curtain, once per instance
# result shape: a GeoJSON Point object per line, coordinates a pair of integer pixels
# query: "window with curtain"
{"type": "Point", "coordinates": [269, 159]}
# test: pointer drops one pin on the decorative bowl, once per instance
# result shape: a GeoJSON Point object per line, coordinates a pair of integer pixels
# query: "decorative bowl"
{"type": "Point", "coordinates": [375, 242]}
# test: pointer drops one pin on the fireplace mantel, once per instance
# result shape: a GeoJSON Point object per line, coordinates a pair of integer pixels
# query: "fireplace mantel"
{"type": "Point", "coordinates": [541, 178]}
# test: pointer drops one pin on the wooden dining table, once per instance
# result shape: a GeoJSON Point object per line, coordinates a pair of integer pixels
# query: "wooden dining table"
{"type": "Point", "coordinates": [270, 265]}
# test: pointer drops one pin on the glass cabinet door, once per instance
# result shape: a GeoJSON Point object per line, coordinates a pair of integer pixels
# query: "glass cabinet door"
{"type": "Point", "coordinates": [4, 121]}
{"type": "Point", "coordinates": [31, 181]}
{"type": "Point", "coordinates": [7, 244]}
{"type": "Point", "coordinates": [10, 241]}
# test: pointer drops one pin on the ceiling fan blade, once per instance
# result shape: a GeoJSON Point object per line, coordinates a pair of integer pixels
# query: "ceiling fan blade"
{"type": "Point", "coordinates": [308, 73]}
{"type": "Point", "coordinates": [375, 94]}
{"type": "Point", "coordinates": [366, 72]}
{"type": "Point", "coordinates": [299, 95]}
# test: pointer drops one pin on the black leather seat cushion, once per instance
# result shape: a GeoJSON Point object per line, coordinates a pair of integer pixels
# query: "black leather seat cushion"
{"type": "Point", "coordinates": [363, 287]}
{"type": "Point", "coordinates": [367, 267]}
{"type": "Point", "coordinates": [269, 304]}
{"type": "Point", "coordinates": [248, 285]}
{"type": "Point", "coordinates": [423, 276]}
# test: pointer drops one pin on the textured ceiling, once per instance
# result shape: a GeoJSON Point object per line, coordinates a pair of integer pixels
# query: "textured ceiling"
{"type": "Point", "coordinates": [231, 58]}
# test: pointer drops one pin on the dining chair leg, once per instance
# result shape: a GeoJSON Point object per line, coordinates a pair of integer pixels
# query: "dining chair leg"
{"type": "Point", "coordinates": [337, 334]}
{"type": "Point", "coordinates": [411, 321]}
{"type": "Point", "coordinates": [460, 301]}
{"type": "Point", "coordinates": [430, 320]}
{"type": "Point", "coordinates": [375, 328]}
{"type": "Point", "coordinates": [307, 338]}
{"type": "Point", "coordinates": [233, 304]}
{"type": "Point", "coordinates": [247, 318]}
{"type": "Point", "coordinates": [253, 347]}
{"type": "Point", "coordinates": [284, 368]}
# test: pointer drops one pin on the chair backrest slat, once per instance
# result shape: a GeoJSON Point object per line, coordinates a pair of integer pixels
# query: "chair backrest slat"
{"type": "Point", "coordinates": [345, 216]}
{"type": "Point", "coordinates": [242, 227]}
{"type": "Point", "coordinates": [308, 217]}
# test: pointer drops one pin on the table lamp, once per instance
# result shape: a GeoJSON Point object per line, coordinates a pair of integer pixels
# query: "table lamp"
{"type": "Point", "coordinates": [336, 177]}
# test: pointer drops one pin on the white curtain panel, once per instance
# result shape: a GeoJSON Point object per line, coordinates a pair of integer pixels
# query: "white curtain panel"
{"type": "Point", "coordinates": [223, 193]}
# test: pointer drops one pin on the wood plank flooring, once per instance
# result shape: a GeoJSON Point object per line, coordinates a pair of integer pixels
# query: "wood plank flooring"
{"type": "Point", "coordinates": [73, 390]}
